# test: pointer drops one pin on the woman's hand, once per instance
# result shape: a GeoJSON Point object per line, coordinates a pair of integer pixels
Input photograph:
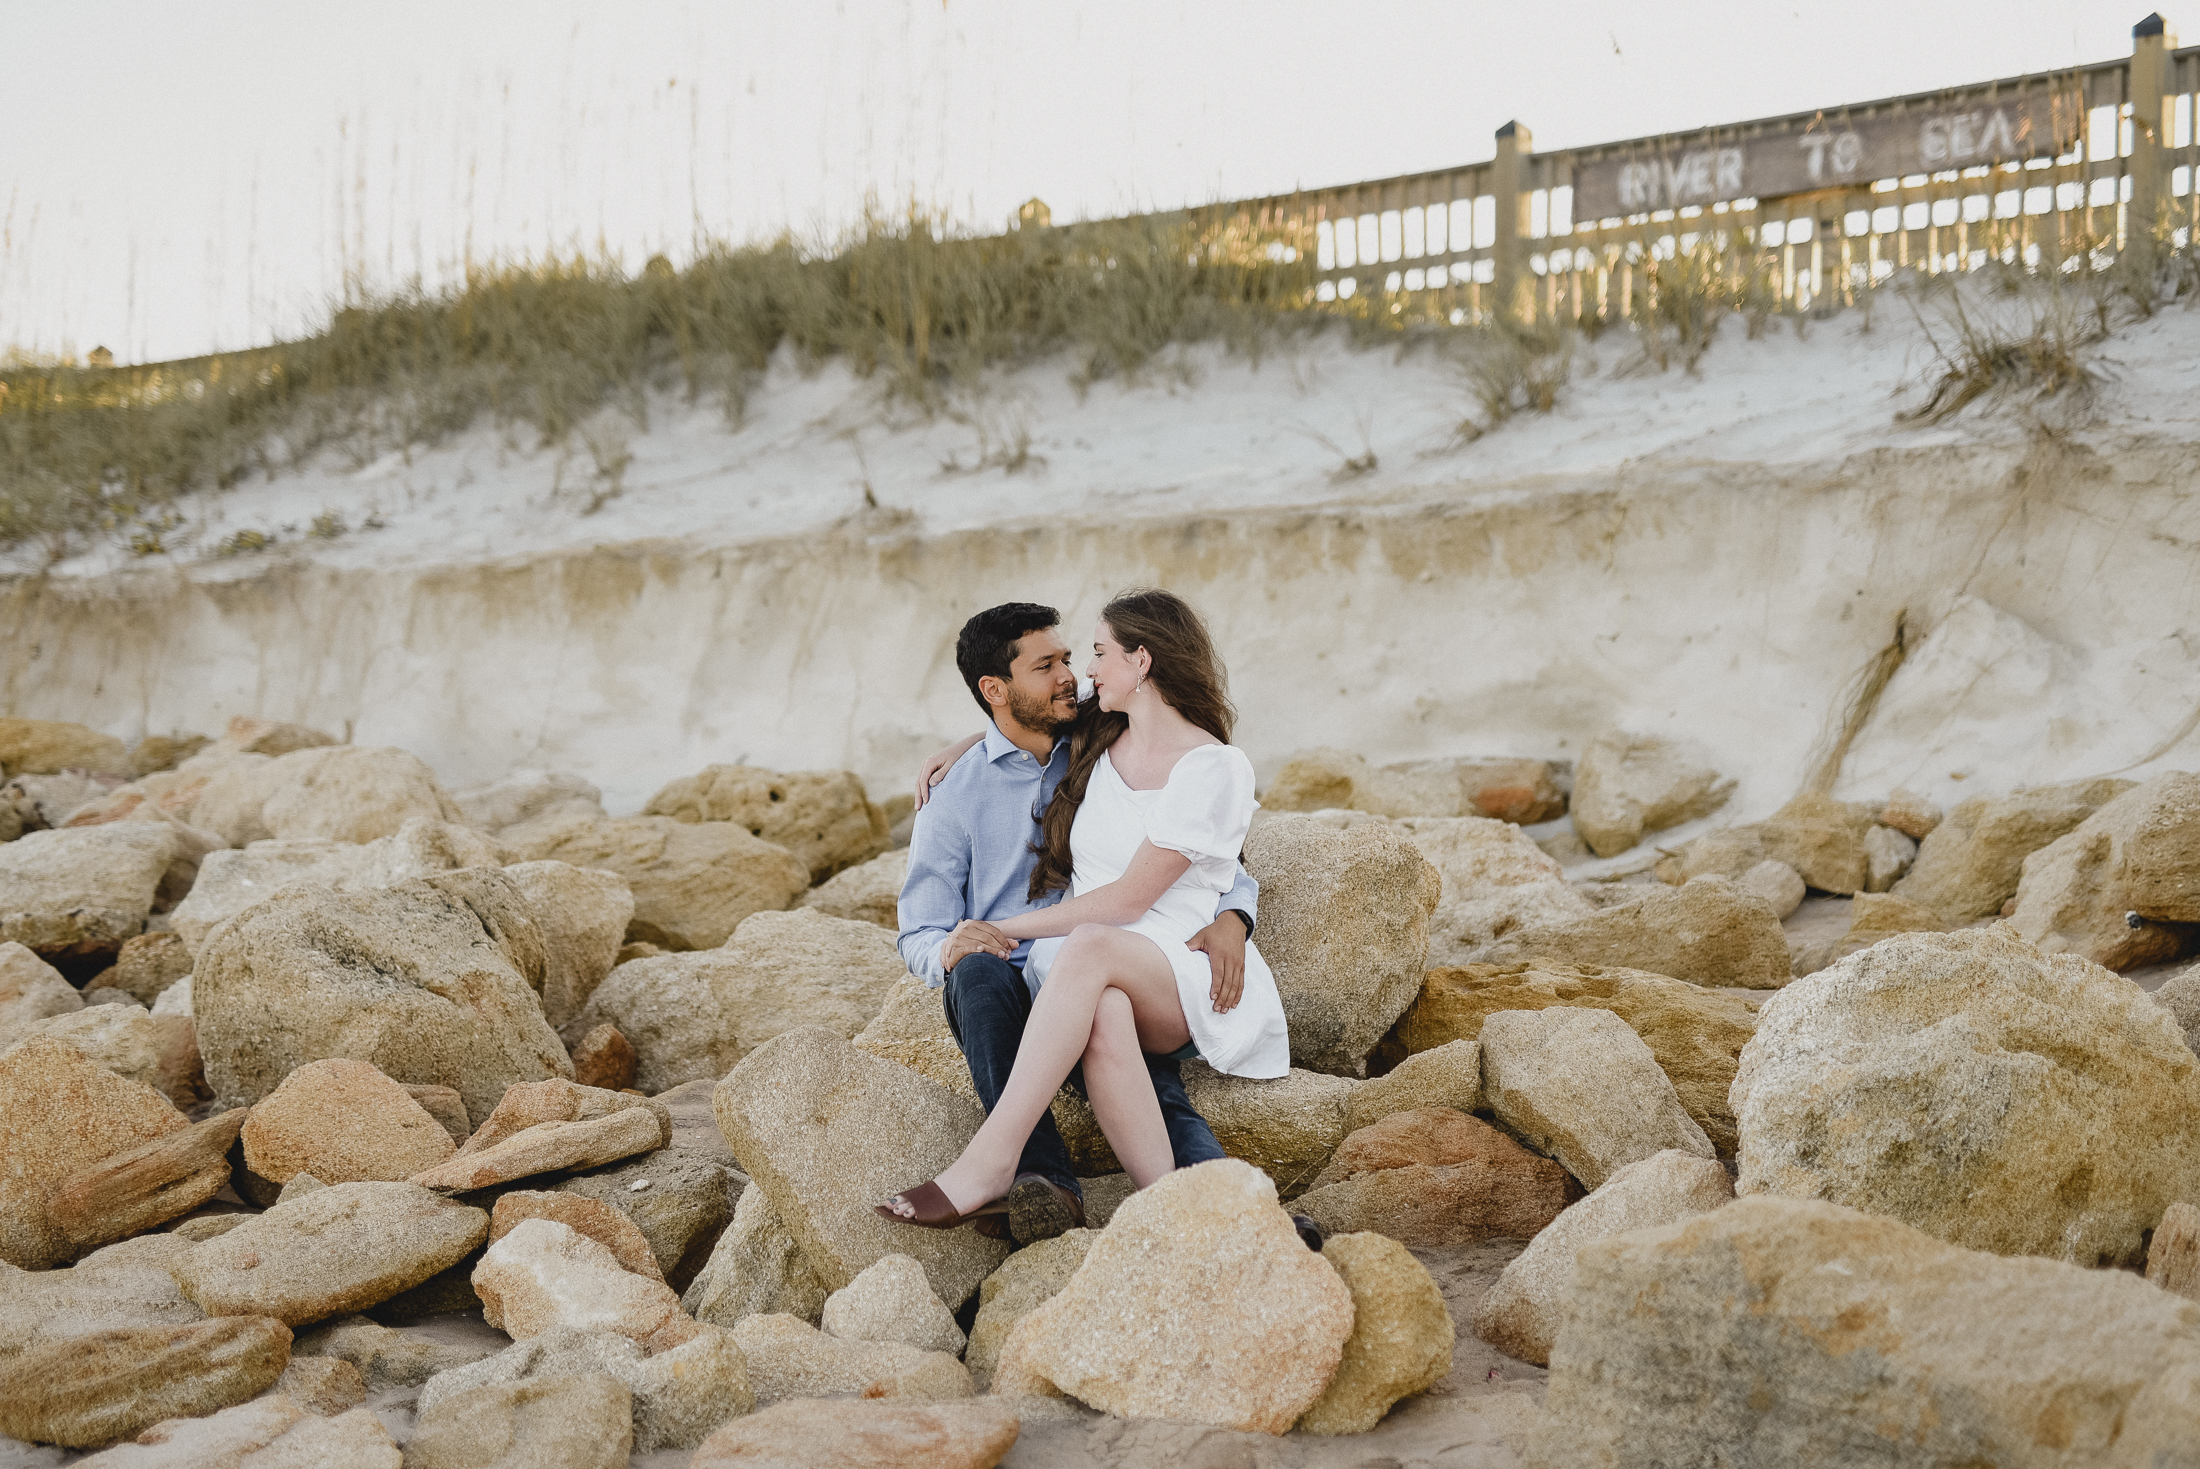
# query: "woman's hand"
{"type": "Point", "coordinates": [974, 936]}
{"type": "Point", "coordinates": [1223, 942]}
{"type": "Point", "coordinates": [935, 769]}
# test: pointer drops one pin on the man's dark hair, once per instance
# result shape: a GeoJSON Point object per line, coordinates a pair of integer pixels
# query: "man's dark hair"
{"type": "Point", "coordinates": [988, 642]}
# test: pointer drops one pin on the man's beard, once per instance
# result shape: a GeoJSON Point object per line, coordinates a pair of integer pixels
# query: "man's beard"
{"type": "Point", "coordinates": [1037, 713]}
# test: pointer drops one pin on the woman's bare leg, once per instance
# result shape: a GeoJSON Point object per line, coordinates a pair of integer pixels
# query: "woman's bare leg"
{"type": "Point", "coordinates": [1094, 960]}
{"type": "Point", "coordinates": [1121, 1091]}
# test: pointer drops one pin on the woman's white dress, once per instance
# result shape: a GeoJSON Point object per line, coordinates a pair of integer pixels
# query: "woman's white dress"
{"type": "Point", "coordinates": [1204, 812]}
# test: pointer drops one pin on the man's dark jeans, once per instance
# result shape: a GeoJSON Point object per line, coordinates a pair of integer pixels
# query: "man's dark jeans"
{"type": "Point", "coordinates": [988, 1004]}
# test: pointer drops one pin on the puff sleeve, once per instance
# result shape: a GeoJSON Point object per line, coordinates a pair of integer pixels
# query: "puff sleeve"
{"type": "Point", "coordinates": [1205, 810]}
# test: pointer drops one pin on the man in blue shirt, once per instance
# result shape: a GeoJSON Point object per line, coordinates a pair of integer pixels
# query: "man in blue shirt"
{"type": "Point", "coordinates": [971, 855]}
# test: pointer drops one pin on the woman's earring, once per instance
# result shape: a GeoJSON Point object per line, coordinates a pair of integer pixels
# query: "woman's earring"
{"type": "Point", "coordinates": [1140, 684]}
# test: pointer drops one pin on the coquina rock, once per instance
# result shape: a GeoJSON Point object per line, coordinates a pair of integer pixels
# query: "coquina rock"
{"type": "Point", "coordinates": [343, 1122]}
{"type": "Point", "coordinates": [1794, 1331]}
{"type": "Point", "coordinates": [1821, 838]}
{"type": "Point", "coordinates": [591, 1217]}
{"type": "Point", "coordinates": [2139, 854]}
{"type": "Point", "coordinates": [1969, 864]}
{"type": "Point", "coordinates": [384, 1358]}
{"type": "Point", "coordinates": [255, 734]}
{"type": "Point", "coordinates": [1446, 1075]}
{"type": "Point", "coordinates": [1911, 814]}
{"type": "Point", "coordinates": [1516, 790]}
{"type": "Point", "coordinates": [1495, 880]}
{"type": "Point", "coordinates": [126, 1284]}
{"type": "Point", "coordinates": [583, 913]}
{"type": "Point", "coordinates": [1781, 886]}
{"type": "Point", "coordinates": [1888, 857]}
{"type": "Point", "coordinates": [1581, 1086]}
{"type": "Point", "coordinates": [784, 970]}
{"type": "Point", "coordinates": [345, 793]}
{"type": "Point", "coordinates": [159, 1050]}
{"type": "Point", "coordinates": [1731, 852]}
{"type": "Point", "coordinates": [1344, 919]}
{"type": "Point", "coordinates": [1199, 1303]}
{"type": "Point", "coordinates": [693, 882]}
{"type": "Point", "coordinates": [755, 1269]}
{"type": "Point", "coordinates": [82, 891]}
{"type": "Point", "coordinates": [680, 1198]}
{"type": "Point", "coordinates": [1439, 1179]}
{"type": "Point", "coordinates": [868, 1434]}
{"type": "Point", "coordinates": [1401, 1335]}
{"type": "Point", "coordinates": [890, 1300]}
{"type": "Point", "coordinates": [668, 1011]}
{"type": "Point", "coordinates": [1708, 932]}
{"type": "Point", "coordinates": [95, 1389]}
{"type": "Point", "coordinates": [1627, 785]}
{"type": "Point", "coordinates": [679, 1396]}
{"type": "Point", "coordinates": [30, 990]}
{"type": "Point", "coordinates": [792, 1359]}
{"type": "Point", "coordinates": [1519, 1315]}
{"type": "Point", "coordinates": [432, 981]}
{"type": "Point", "coordinates": [524, 795]}
{"type": "Point", "coordinates": [545, 1274]}
{"type": "Point", "coordinates": [1969, 1085]}
{"type": "Point", "coordinates": [2180, 996]}
{"type": "Point", "coordinates": [1026, 1280]}
{"type": "Point", "coordinates": [50, 746]}
{"type": "Point", "coordinates": [270, 1432]}
{"type": "Point", "coordinates": [822, 816]}
{"type": "Point", "coordinates": [1696, 1034]}
{"type": "Point", "coordinates": [583, 1421]}
{"type": "Point", "coordinates": [869, 891]}
{"type": "Point", "coordinates": [146, 966]}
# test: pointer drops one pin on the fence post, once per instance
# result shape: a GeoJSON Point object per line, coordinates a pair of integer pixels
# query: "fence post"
{"type": "Point", "coordinates": [1508, 181]}
{"type": "Point", "coordinates": [2150, 45]}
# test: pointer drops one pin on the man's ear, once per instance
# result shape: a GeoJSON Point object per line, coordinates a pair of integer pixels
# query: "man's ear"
{"type": "Point", "coordinates": [994, 691]}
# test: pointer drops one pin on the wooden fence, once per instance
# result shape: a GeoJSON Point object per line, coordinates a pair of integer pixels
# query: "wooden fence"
{"type": "Point", "coordinates": [2054, 170]}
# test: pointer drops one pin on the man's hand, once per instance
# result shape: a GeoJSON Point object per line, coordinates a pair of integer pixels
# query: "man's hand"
{"type": "Point", "coordinates": [976, 936]}
{"type": "Point", "coordinates": [1223, 942]}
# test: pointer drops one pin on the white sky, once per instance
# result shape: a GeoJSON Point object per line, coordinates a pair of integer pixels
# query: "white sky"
{"type": "Point", "coordinates": [182, 178]}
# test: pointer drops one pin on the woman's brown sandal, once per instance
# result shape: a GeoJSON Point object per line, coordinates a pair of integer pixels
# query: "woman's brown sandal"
{"type": "Point", "coordinates": [934, 1210]}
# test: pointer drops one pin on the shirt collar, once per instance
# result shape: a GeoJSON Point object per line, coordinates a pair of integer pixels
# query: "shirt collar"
{"type": "Point", "coordinates": [998, 745]}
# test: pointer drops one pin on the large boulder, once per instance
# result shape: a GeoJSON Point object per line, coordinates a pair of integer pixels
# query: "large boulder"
{"type": "Point", "coordinates": [890, 1300]}
{"type": "Point", "coordinates": [2139, 854]}
{"type": "Point", "coordinates": [158, 1050]}
{"type": "Point", "coordinates": [755, 1269]}
{"type": "Point", "coordinates": [546, 1274]}
{"type": "Point", "coordinates": [678, 1197]}
{"type": "Point", "coordinates": [1708, 931]}
{"type": "Point", "coordinates": [693, 882]}
{"type": "Point", "coordinates": [822, 816]}
{"type": "Point", "coordinates": [583, 914]}
{"type": "Point", "coordinates": [1580, 1086]}
{"type": "Point", "coordinates": [385, 1358]}
{"type": "Point", "coordinates": [1199, 1302]}
{"type": "Point", "coordinates": [1626, 786]}
{"type": "Point", "coordinates": [1821, 838]}
{"type": "Point", "coordinates": [1519, 1315]}
{"type": "Point", "coordinates": [1438, 1179]}
{"type": "Point", "coordinates": [30, 990]}
{"type": "Point", "coordinates": [869, 891]}
{"type": "Point", "coordinates": [50, 746]}
{"type": "Point", "coordinates": [1446, 1075]}
{"type": "Point", "coordinates": [1696, 1034]}
{"type": "Point", "coordinates": [110, 1385]}
{"type": "Point", "coordinates": [433, 981]}
{"type": "Point", "coordinates": [780, 971]}
{"type": "Point", "coordinates": [1344, 922]}
{"type": "Point", "coordinates": [1401, 1335]}
{"type": "Point", "coordinates": [1970, 864]}
{"type": "Point", "coordinates": [1977, 1089]}
{"type": "Point", "coordinates": [1792, 1331]}
{"type": "Point", "coordinates": [592, 1217]}
{"type": "Point", "coordinates": [1026, 1281]}
{"type": "Point", "coordinates": [827, 1131]}
{"type": "Point", "coordinates": [1514, 790]}
{"type": "Point", "coordinates": [343, 793]}
{"type": "Point", "coordinates": [1495, 880]}
{"type": "Point", "coordinates": [2180, 996]}
{"type": "Point", "coordinates": [667, 1009]}
{"type": "Point", "coordinates": [82, 892]}
{"type": "Point", "coordinates": [126, 1284]}
{"type": "Point", "coordinates": [343, 1122]}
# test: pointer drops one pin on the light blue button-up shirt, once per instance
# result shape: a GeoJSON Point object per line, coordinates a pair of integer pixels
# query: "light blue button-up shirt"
{"type": "Point", "coordinates": [971, 851]}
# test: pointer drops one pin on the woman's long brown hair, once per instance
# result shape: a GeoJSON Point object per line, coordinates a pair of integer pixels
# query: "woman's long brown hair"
{"type": "Point", "coordinates": [1191, 680]}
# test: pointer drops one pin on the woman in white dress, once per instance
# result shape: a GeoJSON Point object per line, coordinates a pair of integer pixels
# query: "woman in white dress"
{"type": "Point", "coordinates": [1144, 831]}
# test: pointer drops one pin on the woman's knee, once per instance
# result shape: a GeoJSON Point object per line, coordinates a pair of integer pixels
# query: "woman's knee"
{"type": "Point", "coordinates": [1114, 1028]}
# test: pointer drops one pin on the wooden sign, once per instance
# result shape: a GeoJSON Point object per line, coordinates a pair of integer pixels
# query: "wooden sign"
{"type": "Point", "coordinates": [1828, 152]}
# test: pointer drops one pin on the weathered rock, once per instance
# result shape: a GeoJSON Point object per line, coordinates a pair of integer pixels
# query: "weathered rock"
{"type": "Point", "coordinates": [82, 891]}
{"type": "Point", "coordinates": [50, 746]}
{"type": "Point", "coordinates": [1821, 838]}
{"type": "Point", "coordinates": [164, 752]}
{"type": "Point", "coordinates": [1519, 1315]}
{"type": "Point", "coordinates": [1969, 1085]}
{"type": "Point", "coordinates": [1888, 857]}
{"type": "Point", "coordinates": [1874, 916]}
{"type": "Point", "coordinates": [1778, 885]}
{"type": "Point", "coordinates": [1911, 814]}
{"type": "Point", "coordinates": [2173, 1256]}
{"type": "Point", "coordinates": [693, 882]}
{"type": "Point", "coordinates": [2180, 996]}
{"type": "Point", "coordinates": [1580, 1086]}
{"type": "Point", "coordinates": [299, 1185]}
{"type": "Point", "coordinates": [337, 1250]}
{"type": "Point", "coordinates": [1696, 1034]}
{"type": "Point", "coordinates": [666, 1008]}
{"type": "Point", "coordinates": [1436, 1178]}
{"type": "Point", "coordinates": [547, 1147]}
{"type": "Point", "coordinates": [147, 965]}
{"type": "Point", "coordinates": [792, 1359]}
{"type": "Point", "coordinates": [591, 1217]}
{"type": "Point", "coordinates": [828, 1131]}
{"type": "Point", "coordinates": [1446, 1075]}
{"type": "Point", "coordinates": [1512, 790]}
{"type": "Point", "coordinates": [525, 795]}
{"type": "Point", "coordinates": [1707, 931]}
{"type": "Point", "coordinates": [679, 1198]}
{"type": "Point", "coordinates": [822, 816]}
{"type": "Point", "coordinates": [911, 1028]}
{"type": "Point", "coordinates": [384, 1358]}
{"type": "Point", "coordinates": [602, 1058]}
{"type": "Point", "coordinates": [2139, 854]}
{"type": "Point", "coordinates": [344, 793]}
{"type": "Point", "coordinates": [59, 1114]}
{"type": "Point", "coordinates": [694, 1125]}
{"type": "Point", "coordinates": [756, 1269]}
{"type": "Point", "coordinates": [110, 1385]}
{"type": "Point", "coordinates": [144, 1186]}
{"type": "Point", "coordinates": [1494, 880]}
{"type": "Point", "coordinates": [253, 735]}
{"type": "Point", "coordinates": [270, 1432]}
{"type": "Point", "coordinates": [783, 970]}
{"type": "Point", "coordinates": [160, 1051]}
{"type": "Point", "coordinates": [579, 1422]}
{"type": "Point", "coordinates": [865, 1435]}
{"type": "Point", "coordinates": [1732, 852]}
{"type": "Point", "coordinates": [546, 1274]}
{"type": "Point", "coordinates": [445, 1105]}
{"type": "Point", "coordinates": [323, 1385]}
{"type": "Point", "coordinates": [57, 800]}
{"type": "Point", "coordinates": [1344, 921]}
{"type": "Point", "coordinates": [1401, 1335]}
{"type": "Point", "coordinates": [1628, 785]}
{"type": "Point", "coordinates": [1287, 1126]}
{"type": "Point", "coordinates": [344, 1122]}
{"type": "Point", "coordinates": [199, 1228]}
{"type": "Point", "coordinates": [678, 1395]}
{"type": "Point", "coordinates": [1199, 1303]}
{"type": "Point", "coordinates": [432, 981]}
{"type": "Point", "coordinates": [1026, 1280]}
{"type": "Point", "coordinates": [890, 1300]}
{"type": "Point", "coordinates": [30, 990]}
{"type": "Point", "coordinates": [1791, 1331]}
{"type": "Point", "coordinates": [530, 1104]}
{"type": "Point", "coordinates": [583, 914]}
{"type": "Point", "coordinates": [1969, 864]}
{"type": "Point", "coordinates": [869, 892]}
{"type": "Point", "coordinates": [124, 1285]}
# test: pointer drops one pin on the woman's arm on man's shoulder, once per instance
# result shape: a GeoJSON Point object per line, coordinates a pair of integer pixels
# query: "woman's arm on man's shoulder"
{"type": "Point", "coordinates": [936, 768]}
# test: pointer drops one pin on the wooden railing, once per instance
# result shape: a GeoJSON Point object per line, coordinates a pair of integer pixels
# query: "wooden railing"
{"type": "Point", "coordinates": [2055, 170]}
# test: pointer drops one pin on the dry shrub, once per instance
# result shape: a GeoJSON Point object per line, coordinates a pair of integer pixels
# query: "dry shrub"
{"type": "Point", "coordinates": [2006, 332]}
{"type": "Point", "coordinates": [1511, 370]}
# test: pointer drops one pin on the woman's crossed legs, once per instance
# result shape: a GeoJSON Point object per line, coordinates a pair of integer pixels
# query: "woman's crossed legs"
{"type": "Point", "coordinates": [1109, 998]}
